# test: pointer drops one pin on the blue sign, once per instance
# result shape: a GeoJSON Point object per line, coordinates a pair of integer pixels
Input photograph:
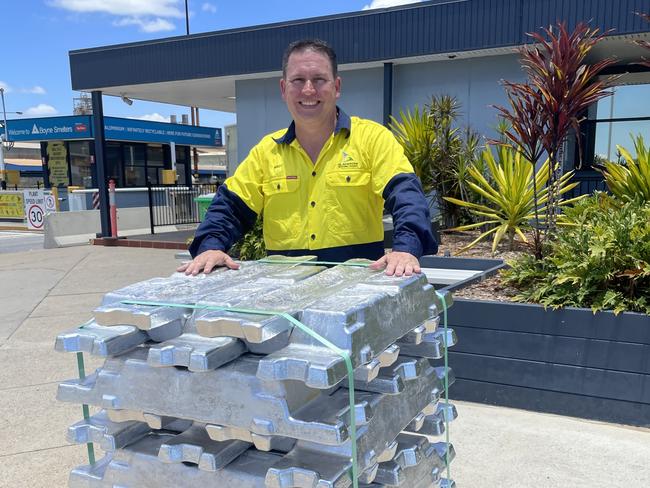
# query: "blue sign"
{"type": "Point", "coordinates": [118, 129]}
{"type": "Point", "coordinates": [50, 128]}
{"type": "Point", "coordinates": [115, 129]}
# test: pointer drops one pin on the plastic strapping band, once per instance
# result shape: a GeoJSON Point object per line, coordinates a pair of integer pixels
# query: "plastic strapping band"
{"type": "Point", "coordinates": [317, 263]}
{"type": "Point", "coordinates": [344, 354]}
{"type": "Point", "coordinates": [82, 376]}
{"type": "Point", "coordinates": [446, 412]}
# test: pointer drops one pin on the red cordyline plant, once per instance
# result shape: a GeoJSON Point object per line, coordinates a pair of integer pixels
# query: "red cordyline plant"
{"type": "Point", "coordinates": [552, 102]}
{"type": "Point", "coordinates": [645, 61]}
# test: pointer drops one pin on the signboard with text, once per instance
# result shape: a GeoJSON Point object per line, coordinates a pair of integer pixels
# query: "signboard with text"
{"type": "Point", "coordinates": [12, 205]}
{"type": "Point", "coordinates": [50, 128]}
{"type": "Point", "coordinates": [118, 129]}
{"type": "Point", "coordinates": [35, 209]}
{"type": "Point", "coordinates": [115, 129]}
{"type": "Point", "coordinates": [57, 164]}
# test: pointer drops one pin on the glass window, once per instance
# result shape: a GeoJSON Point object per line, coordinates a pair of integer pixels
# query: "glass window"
{"type": "Point", "coordinates": [155, 155]}
{"type": "Point", "coordinates": [627, 101]}
{"type": "Point", "coordinates": [614, 120]}
{"type": "Point", "coordinates": [134, 176]}
{"type": "Point", "coordinates": [181, 171]}
{"type": "Point", "coordinates": [610, 134]}
{"type": "Point", "coordinates": [80, 165]}
{"type": "Point", "coordinates": [154, 175]}
{"type": "Point", "coordinates": [134, 164]}
{"type": "Point", "coordinates": [114, 162]}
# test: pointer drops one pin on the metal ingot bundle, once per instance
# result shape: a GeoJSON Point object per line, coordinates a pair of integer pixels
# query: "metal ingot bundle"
{"type": "Point", "coordinates": [222, 380]}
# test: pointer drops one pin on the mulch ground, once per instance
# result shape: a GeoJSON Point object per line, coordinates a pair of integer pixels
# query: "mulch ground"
{"type": "Point", "coordinates": [491, 288]}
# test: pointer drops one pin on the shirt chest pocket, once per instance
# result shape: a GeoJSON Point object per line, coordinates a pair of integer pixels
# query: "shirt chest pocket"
{"type": "Point", "coordinates": [351, 179]}
{"type": "Point", "coordinates": [348, 200]}
{"type": "Point", "coordinates": [282, 221]}
{"type": "Point", "coordinates": [279, 186]}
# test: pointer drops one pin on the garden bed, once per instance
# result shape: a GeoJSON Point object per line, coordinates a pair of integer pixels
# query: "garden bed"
{"type": "Point", "coordinates": [568, 361]}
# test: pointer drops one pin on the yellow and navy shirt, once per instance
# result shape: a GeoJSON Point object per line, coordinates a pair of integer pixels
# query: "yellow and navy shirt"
{"type": "Point", "coordinates": [332, 208]}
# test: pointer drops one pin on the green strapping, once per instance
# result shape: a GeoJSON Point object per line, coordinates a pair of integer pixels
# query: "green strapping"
{"type": "Point", "coordinates": [328, 263]}
{"type": "Point", "coordinates": [84, 407]}
{"type": "Point", "coordinates": [444, 324]}
{"type": "Point", "coordinates": [307, 330]}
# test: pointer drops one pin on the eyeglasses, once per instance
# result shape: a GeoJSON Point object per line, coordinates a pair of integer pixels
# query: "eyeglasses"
{"type": "Point", "coordinates": [316, 83]}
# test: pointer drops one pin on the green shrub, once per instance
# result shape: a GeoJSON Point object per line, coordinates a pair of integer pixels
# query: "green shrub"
{"type": "Point", "coordinates": [251, 246]}
{"type": "Point", "coordinates": [632, 179]}
{"type": "Point", "coordinates": [601, 261]}
{"type": "Point", "coordinates": [439, 151]}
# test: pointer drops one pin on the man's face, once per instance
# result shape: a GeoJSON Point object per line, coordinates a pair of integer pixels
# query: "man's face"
{"type": "Point", "coordinates": [309, 88]}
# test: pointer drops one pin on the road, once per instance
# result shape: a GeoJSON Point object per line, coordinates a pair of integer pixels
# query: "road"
{"type": "Point", "coordinates": [15, 241]}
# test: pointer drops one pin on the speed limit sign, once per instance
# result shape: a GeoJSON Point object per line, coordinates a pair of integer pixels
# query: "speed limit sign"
{"type": "Point", "coordinates": [35, 217]}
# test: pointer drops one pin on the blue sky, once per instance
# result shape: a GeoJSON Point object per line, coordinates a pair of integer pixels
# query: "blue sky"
{"type": "Point", "coordinates": [39, 33]}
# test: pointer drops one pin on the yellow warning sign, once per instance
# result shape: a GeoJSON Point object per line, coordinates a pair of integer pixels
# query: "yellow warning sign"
{"type": "Point", "coordinates": [12, 205]}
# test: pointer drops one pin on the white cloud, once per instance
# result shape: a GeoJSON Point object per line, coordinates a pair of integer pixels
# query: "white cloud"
{"type": "Point", "coordinates": [209, 7]}
{"type": "Point", "coordinates": [146, 25]}
{"type": "Point", "coordinates": [154, 117]}
{"type": "Point", "coordinates": [137, 8]}
{"type": "Point", "coordinates": [388, 3]}
{"type": "Point", "coordinates": [5, 86]}
{"type": "Point", "coordinates": [35, 90]}
{"type": "Point", "coordinates": [149, 15]}
{"type": "Point", "coordinates": [40, 110]}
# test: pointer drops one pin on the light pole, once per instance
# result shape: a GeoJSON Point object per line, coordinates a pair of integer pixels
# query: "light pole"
{"type": "Point", "coordinates": [4, 139]}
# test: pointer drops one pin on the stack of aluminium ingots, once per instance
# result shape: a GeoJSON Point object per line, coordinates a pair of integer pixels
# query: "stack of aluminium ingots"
{"type": "Point", "coordinates": [196, 396]}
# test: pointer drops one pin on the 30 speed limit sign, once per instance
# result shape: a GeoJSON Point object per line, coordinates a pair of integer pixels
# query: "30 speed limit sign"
{"type": "Point", "coordinates": [35, 217]}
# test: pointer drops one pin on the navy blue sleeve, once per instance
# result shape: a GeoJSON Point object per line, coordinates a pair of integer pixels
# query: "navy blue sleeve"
{"type": "Point", "coordinates": [228, 218]}
{"type": "Point", "coordinates": [407, 204]}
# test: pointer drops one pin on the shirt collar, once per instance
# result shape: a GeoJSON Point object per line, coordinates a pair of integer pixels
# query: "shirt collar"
{"type": "Point", "coordinates": [342, 122]}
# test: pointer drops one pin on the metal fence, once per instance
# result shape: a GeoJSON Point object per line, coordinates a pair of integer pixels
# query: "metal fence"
{"type": "Point", "coordinates": [176, 204]}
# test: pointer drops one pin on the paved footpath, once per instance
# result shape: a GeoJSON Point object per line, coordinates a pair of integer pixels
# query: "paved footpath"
{"type": "Point", "coordinates": [45, 292]}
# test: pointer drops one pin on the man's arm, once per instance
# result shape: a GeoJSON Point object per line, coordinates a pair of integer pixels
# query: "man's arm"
{"type": "Point", "coordinates": [395, 181]}
{"type": "Point", "coordinates": [228, 218]}
{"type": "Point", "coordinates": [412, 236]}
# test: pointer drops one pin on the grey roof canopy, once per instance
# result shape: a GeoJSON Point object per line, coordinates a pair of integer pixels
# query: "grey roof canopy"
{"type": "Point", "coordinates": [201, 69]}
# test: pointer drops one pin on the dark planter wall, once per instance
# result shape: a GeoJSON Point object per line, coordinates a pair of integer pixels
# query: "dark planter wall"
{"type": "Point", "coordinates": [569, 361]}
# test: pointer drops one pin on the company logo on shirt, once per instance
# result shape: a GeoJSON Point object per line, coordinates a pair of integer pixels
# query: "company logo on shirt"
{"type": "Point", "coordinates": [348, 161]}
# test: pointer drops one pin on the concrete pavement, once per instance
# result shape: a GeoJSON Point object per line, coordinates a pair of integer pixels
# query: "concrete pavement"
{"type": "Point", "coordinates": [45, 292]}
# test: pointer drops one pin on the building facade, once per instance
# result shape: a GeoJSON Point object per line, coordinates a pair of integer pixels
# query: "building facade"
{"type": "Point", "coordinates": [390, 60]}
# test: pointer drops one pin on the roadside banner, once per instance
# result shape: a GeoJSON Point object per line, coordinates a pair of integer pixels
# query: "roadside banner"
{"type": "Point", "coordinates": [12, 205]}
{"type": "Point", "coordinates": [35, 209]}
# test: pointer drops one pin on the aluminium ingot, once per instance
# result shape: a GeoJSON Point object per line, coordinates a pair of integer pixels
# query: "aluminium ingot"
{"type": "Point", "coordinates": [363, 320]}
{"type": "Point", "coordinates": [416, 463]}
{"type": "Point", "coordinates": [292, 300]}
{"type": "Point", "coordinates": [99, 340]}
{"type": "Point", "coordinates": [195, 446]}
{"type": "Point", "coordinates": [432, 345]}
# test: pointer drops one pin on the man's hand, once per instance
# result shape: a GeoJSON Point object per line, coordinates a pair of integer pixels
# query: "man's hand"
{"type": "Point", "coordinates": [398, 263]}
{"type": "Point", "coordinates": [206, 262]}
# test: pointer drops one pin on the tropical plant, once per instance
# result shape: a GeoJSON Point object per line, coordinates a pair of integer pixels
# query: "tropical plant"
{"type": "Point", "coordinates": [439, 153]}
{"type": "Point", "coordinates": [251, 246]}
{"type": "Point", "coordinates": [551, 103]}
{"type": "Point", "coordinates": [630, 180]}
{"type": "Point", "coordinates": [643, 43]}
{"type": "Point", "coordinates": [602, 261]}
{"type": "Point", "coordinates": [508, 193]}
{"type": "Point", "coordinates": [415, 134]}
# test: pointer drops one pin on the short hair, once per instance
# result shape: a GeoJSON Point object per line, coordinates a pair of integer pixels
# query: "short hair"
{"type": "Point", "coordinates": [315, 45]}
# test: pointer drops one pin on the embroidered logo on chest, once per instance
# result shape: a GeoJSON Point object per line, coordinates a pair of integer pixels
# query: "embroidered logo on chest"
{"type": "Point", "coordinates": [347, 161]}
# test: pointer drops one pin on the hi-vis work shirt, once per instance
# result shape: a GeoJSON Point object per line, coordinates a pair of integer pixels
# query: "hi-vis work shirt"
{"type": "Point", "coordinates": [332, 208]}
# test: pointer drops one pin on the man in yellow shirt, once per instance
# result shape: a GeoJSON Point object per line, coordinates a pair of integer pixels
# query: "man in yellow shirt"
{"type": "Point", "coordinates": [321, 184]}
